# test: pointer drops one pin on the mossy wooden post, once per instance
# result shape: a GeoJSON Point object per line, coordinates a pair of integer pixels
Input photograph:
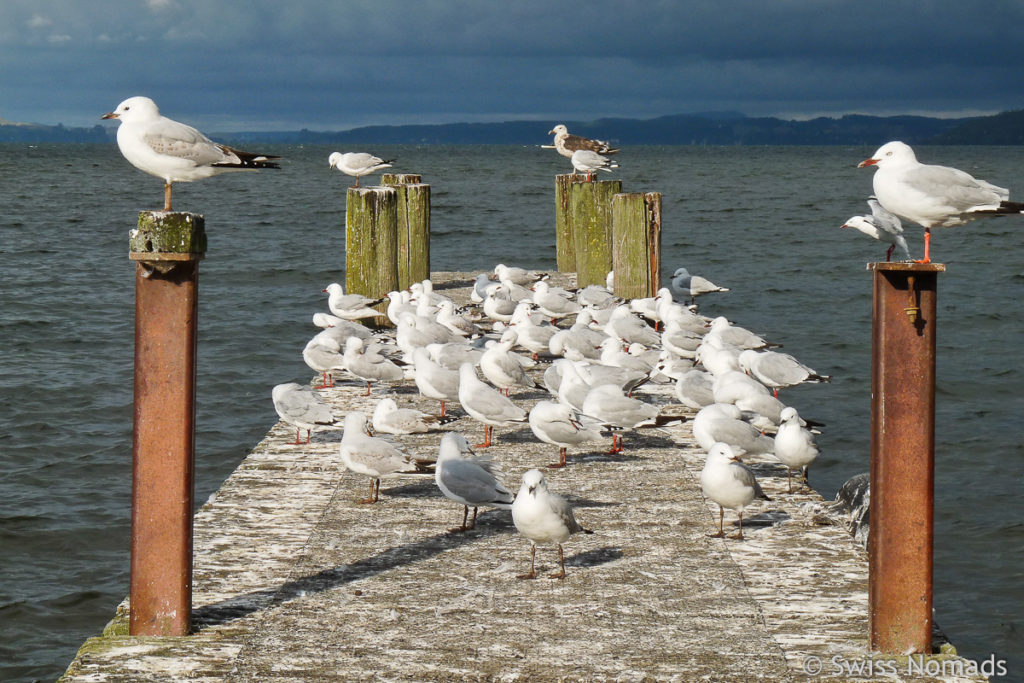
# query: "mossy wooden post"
{"type": "Point", "coordinates": [636, 243]}
{"type": "Point", "coordinates": [413, 211]}
{"type": "Point", "coordinates": [166, 247]}
{"type": "Point", "coordinates": [371, 243]}
{"type": "Point", "coordinates": [590, 213]}
{"type": "Point", "coordinates": [565, 247]}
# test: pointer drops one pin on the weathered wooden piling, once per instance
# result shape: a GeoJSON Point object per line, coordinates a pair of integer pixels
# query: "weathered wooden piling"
{"type": "Point", "coordinates": [413, 216]}
{"type": "Point", "coordinates": [902, 457]}
{"type": "Point", "coordinates": [371, 243]}
{"type": "Point", "coordinates": [636, 243]}
{"type": "Point", "coordinates": [590, 215]}
{"type": "Point", "coordinates": [565, 246]}
{"type": "Point", "coordinates": [167, 247]}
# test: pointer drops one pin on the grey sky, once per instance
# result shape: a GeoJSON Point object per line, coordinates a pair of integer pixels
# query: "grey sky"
{"type": "Point", "coordinates": [270, 65]}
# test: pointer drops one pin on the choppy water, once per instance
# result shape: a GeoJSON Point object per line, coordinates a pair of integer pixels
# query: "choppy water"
{"type": "Point", "coordinates": [763, 221]}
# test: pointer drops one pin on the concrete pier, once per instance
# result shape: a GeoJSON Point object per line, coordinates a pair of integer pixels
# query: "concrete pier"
{"type": "Point", "coordinates": [293, 580]}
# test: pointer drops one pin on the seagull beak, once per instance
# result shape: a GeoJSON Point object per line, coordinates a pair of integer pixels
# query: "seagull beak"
{"type": "Point", "coordinates": [532, 490]}
{"type": "Point", "coordinates": [109, 115]}
{"type": "Point", "coordinates": [844, 225]}
{"type": "Point", "coordinates": [867, 162]}
{"type": "Point", "coordinates": [551, 132]}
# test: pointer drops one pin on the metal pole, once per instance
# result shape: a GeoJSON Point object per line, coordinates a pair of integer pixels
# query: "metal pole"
{"type": "Point", "coordinates": [902, 457]}
{"type": "Point", "coordinates": [167, 248]}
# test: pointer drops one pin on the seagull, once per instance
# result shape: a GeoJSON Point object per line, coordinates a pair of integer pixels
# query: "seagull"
{"type": "Point", "coordinates": [720, 422]}
{"type": "Point", "coordinates": [685, 286]}
{"type": "Point", "coordinates": [561, 425]}
{"type": "Point", "coordinates": [172, 150]}
{"type": "Point", "coordinates": [881, 225]}
{"type": "Point", "coordinates": [728, 482]}
{"type": "Point", "coordinates": [369, 365]}
{"type": "Point", "coordinates": [357, 164]}
{"type": "Point", "coordinates": [300, 407]}
{"type": "Point", "coordinates": [794, 445]}
{"type": "Point", "coordinates": [566, 144]}
{"type": "Point", "coordinates": [350, 306]}
{"type": "Point", "coordinates": [777, 370]}
{"type": "Point", "coordinates": [933, 196]}
{"type": "Point", "coordinates": [470, 481]}
{"type": "Point", "coordinates": [607, 403]}
{"type": "Point", "coordinates": [323, 354]}
{"type": "Point", "coordinates": [520, 276]}
{"type": "Point", "coordinates": [587, 161]}
{"type": "Point", "coordinates": [500, 365]}
{"type": "Point", "coordinates": [433, 380]}
{"type": "Point", "coordinates": [388, 418]}
{"type": "Point", "coordinates": [486, 404]}
{"type": "Point", "coordinates": [376, 458]}
{"type": "Point", "coordinates": [543, 517]}
{"type": "Point", "coordinates": [551, 304]}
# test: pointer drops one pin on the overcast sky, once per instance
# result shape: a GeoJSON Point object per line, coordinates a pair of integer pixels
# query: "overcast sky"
{"type": "Point", "coordinates": [332, 65]}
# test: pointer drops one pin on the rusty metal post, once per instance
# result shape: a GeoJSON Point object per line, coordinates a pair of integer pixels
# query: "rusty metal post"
{"type": "Point", "coordinates": [167, 247]}
{"type": "Point", "coordinates": [902, 457]}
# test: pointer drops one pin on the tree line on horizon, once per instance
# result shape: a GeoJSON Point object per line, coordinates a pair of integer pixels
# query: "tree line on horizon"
{"type": "Point", "coordinates": [723, 128]}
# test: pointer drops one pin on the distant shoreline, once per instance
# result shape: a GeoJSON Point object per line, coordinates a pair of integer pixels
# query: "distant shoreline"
{"type": "Point", "coordinates": [726, 128]}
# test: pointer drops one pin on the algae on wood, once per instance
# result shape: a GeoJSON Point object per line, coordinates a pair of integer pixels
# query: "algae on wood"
{"type": "Point", "coordinates": [413, 227]}
{"type": "Point", "coordinates": [371, 243]}
{"type": "Point", "coordinates": [565, 247]}
{"type": "Point", "coordinates": [591, 219]}
{"type": "Point", "coordinates": [168, 232]}
{"type": "Point", "coordinates": [636, 244]}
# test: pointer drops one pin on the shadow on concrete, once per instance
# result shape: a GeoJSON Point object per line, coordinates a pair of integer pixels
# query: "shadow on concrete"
{"type": "Point", "coordinates": [488, 523]}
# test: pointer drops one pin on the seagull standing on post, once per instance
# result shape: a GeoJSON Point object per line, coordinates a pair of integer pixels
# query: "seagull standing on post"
{"type": "Point", "coordinates": [174, 151]}
{"type": "Point", "coordinates": [357, 164]}
{"type": "Point", "coordinates": [933, 196]}
{"type": "Point", "coordinates": [566, 143]}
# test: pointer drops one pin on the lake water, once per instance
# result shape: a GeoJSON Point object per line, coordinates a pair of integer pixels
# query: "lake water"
{"type": "Point", "coordinates": [763, 221]}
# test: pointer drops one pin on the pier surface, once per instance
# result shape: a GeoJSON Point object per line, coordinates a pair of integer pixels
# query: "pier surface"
{"type": "Point", "coordinates": [296, 581]}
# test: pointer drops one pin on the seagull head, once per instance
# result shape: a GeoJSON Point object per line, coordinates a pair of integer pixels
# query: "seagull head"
{"type": "Point", "coordinates": [891, 151]}
{"type": "Point", "coordinates": [558, 130]}
{"type": "Point", "coordinates": [134, 109]}
{"type": "Point", "coordinates": [334, 159]}
{"type": "Point", "coordinates": [533, 480]}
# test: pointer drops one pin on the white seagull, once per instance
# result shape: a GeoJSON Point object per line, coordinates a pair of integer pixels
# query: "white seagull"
{"type": "Point", "coordinates": [388, 418]}
{"type": "Point", "coordinates": [933, 196]}
{"type": "Point", "coordinates": [543, 517]}
{"type": "Point", "coordinates": [587, 161]}
{"type": "Point", "coordinates": [433, 380]}
{"type": "Point", "coordinates": [357, 164]}
{"type": "Point", "coordinates": [728, 482]}
{"type": "Point", "coordinates": [561, 425]}
{"type": "Point", "coordinates": [685, 286]}
{"type": "Point", "coordinates": [174, 151]}
{"type": "Point", "coordinates": [794, 445]}
{"type": "Point", "coordinates": [367, 364]}
{"type": "Point", "coordinates": [486, 404]}
{"type": "Point", "coordinates": [777, 370]}
{"type": "Point", "coordinates": [300, 407]}
{"type": "Point", "coordinates": [350, 306]}
{"type": "Point", "coordinates": [376, 458]}
{"type": "Point", "coordinates": [881, 225]}
{"type": "Point", "coordinates": [466, 480]}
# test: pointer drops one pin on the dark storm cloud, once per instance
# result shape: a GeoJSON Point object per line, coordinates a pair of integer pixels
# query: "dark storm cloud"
{"type": "Point", "coordinates": [263, 64]}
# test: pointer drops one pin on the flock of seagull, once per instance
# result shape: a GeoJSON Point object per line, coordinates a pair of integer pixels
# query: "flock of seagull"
{"type": "Point", "coordinates": [594, 354]}
{"type": "Point", "coordinates": [926, 194]}
{"type": "Point", "coordinates": [611, 349]}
